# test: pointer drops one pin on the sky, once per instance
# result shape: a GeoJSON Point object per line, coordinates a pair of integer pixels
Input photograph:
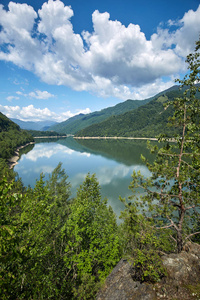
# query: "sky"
{"type": "Point", "coordinates": [61, 58]}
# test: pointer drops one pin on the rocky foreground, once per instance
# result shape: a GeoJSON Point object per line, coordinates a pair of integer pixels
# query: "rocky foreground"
{"type": "Point", "coordinates": [181, 283]}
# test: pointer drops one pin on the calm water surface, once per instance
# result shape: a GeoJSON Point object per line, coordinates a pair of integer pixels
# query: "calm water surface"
{"type": "Point", "coordinates": [113, 162]}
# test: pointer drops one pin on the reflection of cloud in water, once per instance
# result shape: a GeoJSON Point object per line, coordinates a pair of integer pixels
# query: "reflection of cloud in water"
{"type": "Point", "coordinates": [78, 179]}
{"type": "Point", "coordinates": [111, 175]}
{"type": "Point", "coordinates": [43, 169]}
{"type": "Point", "coordinates": [106, 174]}
{"type": "Point", "coordinates": [84, 154]}
{"type": "Point", "coordinates": [37, 170]}
{"type": "Point", "coordinates": [46, 151]}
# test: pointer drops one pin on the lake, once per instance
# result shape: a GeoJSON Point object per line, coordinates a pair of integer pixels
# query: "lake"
{"type": "Point", "coordinates": [113, 162]}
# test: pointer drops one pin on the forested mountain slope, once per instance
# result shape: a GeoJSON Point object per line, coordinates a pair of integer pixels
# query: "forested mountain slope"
{"type": "Point", "coordinates": [76, 123]}
{"type": "Point", "coordinates": [148, 120]}
{"type": "Point", "coordinates": [11, 136]}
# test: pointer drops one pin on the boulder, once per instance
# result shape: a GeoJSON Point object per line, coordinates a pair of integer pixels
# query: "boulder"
{"type": "Point", "coordinates": [182, 280]}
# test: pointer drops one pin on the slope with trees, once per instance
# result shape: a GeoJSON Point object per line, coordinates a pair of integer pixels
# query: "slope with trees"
{"type": "Point", "coordinates": [11, 137]}
{"type": "Point", "coordinates": [148, 120]}
{"type": "Point", "coordinates": [76, 123]}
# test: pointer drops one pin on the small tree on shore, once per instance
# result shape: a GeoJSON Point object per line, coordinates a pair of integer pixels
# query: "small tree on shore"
{"type": "Point", "coordinates": [171, 195]}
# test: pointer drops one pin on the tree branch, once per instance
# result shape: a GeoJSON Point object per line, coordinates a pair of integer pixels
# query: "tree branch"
{"type": "Point", "coordinates": [192, 234]}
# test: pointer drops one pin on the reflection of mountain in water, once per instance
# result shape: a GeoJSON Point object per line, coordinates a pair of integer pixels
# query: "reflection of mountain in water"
{"type": "Point", "coordinates": [127, 152]}
{"type": "Point", "coordinates": [26, 149]}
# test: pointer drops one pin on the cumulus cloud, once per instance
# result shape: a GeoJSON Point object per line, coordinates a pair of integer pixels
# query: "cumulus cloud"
{"type": "Point", "coordinates": [41, 94]}
{"type": "Point", "coordinates": [36, 94]}
{"type": "Point", "coordinates": [31, 113]}
{"type": "Point", "coordinates": [10, 98]}
{"type": "Point", "coordinates": [113, 60]}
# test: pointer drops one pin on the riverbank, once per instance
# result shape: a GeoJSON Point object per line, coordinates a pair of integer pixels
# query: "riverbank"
{"type": "Point", "coordinates": [113, 137]}
{"type": "Point", "coordinates": [51, 137]}
{"type": "Point", "coordinates": [13, 160]}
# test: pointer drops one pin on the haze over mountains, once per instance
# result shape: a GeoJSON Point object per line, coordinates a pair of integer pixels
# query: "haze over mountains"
{"type": "Point", "coordinates": [29, 125]}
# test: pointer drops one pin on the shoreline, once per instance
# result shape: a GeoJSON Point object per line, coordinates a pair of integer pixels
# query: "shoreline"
{"type": "Point", "coordinates": [113, 137]}
{"type": "Point", "coordinates": [50, 137]}
{"type": "Point", "coordinates": [13, 160]}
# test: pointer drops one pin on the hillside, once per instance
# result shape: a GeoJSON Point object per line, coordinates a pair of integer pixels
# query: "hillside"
{"type": "Point", "coordinates": [148, 120]}
{"type": "Point", "coordinates": [11, 137]}
{"type": "Point", "coordinates": [79, 122]}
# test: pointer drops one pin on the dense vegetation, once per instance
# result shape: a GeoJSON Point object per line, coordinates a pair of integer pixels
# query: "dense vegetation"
{"type": "Point", "coordinates": [76, 123]}
{"type": "Point", "coordinates": [53, 246]}
{"type": "Point", "coordinates": [11, 136]}
{"type": "Point", "coordinates": [148, 120]}
{"type": "Point", "coordinates": [36, 133]}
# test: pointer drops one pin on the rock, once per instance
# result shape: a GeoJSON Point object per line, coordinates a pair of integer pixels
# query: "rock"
{"type": "Point", "coordinates": [120, 285]}
{"type": "Point", "coordinates": [182, 280]}
{"type": "Point", "coordinates": [185, 266]}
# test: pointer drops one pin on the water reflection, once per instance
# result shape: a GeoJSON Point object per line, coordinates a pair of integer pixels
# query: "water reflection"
{"type": "Point", "coordinates": [112, 161]}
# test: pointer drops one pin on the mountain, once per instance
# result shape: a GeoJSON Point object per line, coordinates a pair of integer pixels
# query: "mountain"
{"type": "Point", "coordinates": [6, 124]}
{"type": "Point", "coordinates": [11, 137]}
{"type": "Point", "coordinates": [148, 120]}
{"type": "Point", "coordinates": [78, 122]}
{"type": "Point", "coordinates": [81, 121]}
{"type": "Point", "coordinates": [29, 125]}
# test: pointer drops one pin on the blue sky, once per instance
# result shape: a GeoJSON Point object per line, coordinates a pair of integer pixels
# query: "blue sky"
{"type": "Point", "coordinates": [61, 58]}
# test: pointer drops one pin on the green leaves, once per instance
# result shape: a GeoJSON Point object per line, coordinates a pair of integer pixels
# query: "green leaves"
{"type": "Point", "coordinates": [93, 247]}
{"type": "Point", "coordinates": [171, 195]}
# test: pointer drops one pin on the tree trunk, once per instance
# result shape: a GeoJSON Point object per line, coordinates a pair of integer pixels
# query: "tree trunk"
{"type": "Point", "coordinates": [179, 241]}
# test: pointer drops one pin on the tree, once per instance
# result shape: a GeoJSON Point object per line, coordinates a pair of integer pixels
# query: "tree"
{"type": "Point", "coordinates": [93, 244]}
{"type": "Point", "coordinates": [171, 196]}
{"type": "Point", "coordinates": [45, 211]}
{"type": "Point", "coordinates": [142, 245]}
{"type": "Point", "coordinates": [10, 233]}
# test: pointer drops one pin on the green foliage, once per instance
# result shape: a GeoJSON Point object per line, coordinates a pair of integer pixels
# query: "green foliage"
{"type": "Point", "coordinates": [53, 247]}
{"type": "Point", "coordinates": [148, 120]}
{"type": "Point", "coordinates": [76, 123]}
{"type": "Point", "coordinates": [93, 247]}
{"type": "Point", "coordinates": [11, 137]}
{"type": "Point", "coordinates": [45, 211]}
{"type": "Point", "coordinates": [171, 196]}
{"type": "Point", "coordinates": [37, 133]}
{"type": "Point", "coordinates": [10, 231]}
{"type": "Point", "coordinates": [143, 245]}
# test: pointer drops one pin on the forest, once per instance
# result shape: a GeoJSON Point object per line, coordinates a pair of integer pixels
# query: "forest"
{"type": "Point", "coordinates": [11, 137]}
{"type": "Point", "coordinates": [148, 120]}
{"type": "Point", "coordinates": [53, 246]}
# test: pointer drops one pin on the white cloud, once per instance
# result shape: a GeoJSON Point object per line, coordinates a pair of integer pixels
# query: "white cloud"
{"type": "Point", "coordinates": [31, 113]}
{"type": "Point", "coordinates": [41, 94]}
{"type": "Point", "coordinates": [10, 98]}
{"type": "Point", "coordinates": [19, 93]}
{"type": "Point", "coordinates": [113, 60]}
{"type": "Point", "coordinates": [36, 94]}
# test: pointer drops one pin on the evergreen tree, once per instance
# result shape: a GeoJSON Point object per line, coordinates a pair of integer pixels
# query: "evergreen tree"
{"type": "Point", "coordinates": [171, 196]}
{"type": "Point", "coordinates": [93, 246]}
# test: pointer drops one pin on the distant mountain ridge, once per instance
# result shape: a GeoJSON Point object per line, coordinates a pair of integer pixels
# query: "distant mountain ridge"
{"type": "Point", "coordinates": [148, 120]}
{"type": "Point", "coordinates": [29, 125]}
{"type": "Point", "coordinates": [80, 122]}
